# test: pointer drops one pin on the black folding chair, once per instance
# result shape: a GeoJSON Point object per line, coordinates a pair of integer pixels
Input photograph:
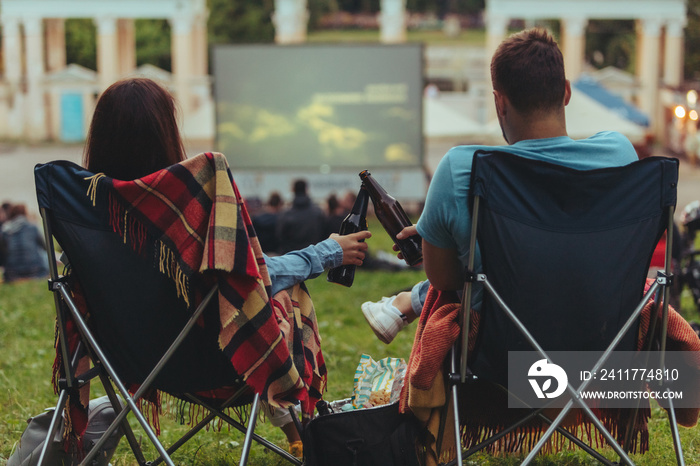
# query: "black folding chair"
{"type": "Point", "coordinates": [138, 331]}
{"type": "Point", "coordinates": [565, 256]}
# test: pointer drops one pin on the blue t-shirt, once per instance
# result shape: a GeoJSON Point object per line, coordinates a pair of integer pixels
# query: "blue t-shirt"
{"type": "Point", "coordinates": [445, 221]}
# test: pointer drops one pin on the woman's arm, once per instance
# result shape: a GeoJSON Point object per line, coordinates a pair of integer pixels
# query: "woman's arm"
{"type": "Point", "coordinates": [296, 266]}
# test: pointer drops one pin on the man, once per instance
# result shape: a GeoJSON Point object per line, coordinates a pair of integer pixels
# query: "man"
{"type": "Point", "coordinates": [530, 93]}
{"type": "Point", "coordinates": [302, 224]}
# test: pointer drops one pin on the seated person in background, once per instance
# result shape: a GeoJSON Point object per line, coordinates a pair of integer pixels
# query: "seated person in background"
{"type": "Point", "coordinates": [530, 93]}
{"type": "Point", "coordinates": [265, 223]}
{"type": "Point", "coordinates": [134, 133]}
{"type": "Point", "coordinates": [22, 246]}
{"type": "Point", "coordinates": [302, 224]}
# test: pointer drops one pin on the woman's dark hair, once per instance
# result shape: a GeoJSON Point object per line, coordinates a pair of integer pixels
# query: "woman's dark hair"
{"type": "Point", "coordinates": [133, 131]}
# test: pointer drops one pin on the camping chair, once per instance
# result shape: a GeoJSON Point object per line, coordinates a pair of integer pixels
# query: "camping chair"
{"type": "Point", "coordinates": [136, 326]}
{"type": "Point", "coordinates": [565, 255]}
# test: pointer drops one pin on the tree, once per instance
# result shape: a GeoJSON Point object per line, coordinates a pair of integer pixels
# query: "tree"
{"type": "Point", "coordinates": [240, 21]}
{"type": "Point", "coordinates": [611, 43]}
{"type": "Point", "coordinates": [153, 43]}
{"type": "Point", "coordinates": [80, 42]}
{"type": "Point", "coordinates": [692, 41]}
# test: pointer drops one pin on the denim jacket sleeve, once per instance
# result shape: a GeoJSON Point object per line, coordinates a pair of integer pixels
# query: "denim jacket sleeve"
{"type": "Point", "coordinates": [296, 266]}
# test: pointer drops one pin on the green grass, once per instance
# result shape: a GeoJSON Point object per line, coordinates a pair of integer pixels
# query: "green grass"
{"type": "Point", "coordinates": [26, 345]}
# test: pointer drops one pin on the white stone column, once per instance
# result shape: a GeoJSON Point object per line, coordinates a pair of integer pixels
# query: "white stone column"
{"type": "Point", "coordinates": [200, 46]}
{"type": "Point", "coordinates": [11, 50]}
{"type": "Point", "coordinates": [649, 48]}
{"type": "Point", "coordinates": [392, 21]}
{"type": "Point", "coordinates": [55, 44]}
{"type": "Point", "coordinates": [574, 46]}
{"type": "Point", "coordinates": [126, 46]}
{"type": "Point", "coordinates": [496, 28]}
{"type": "Point", "coordinates": [290, 19]}
{"type": "Point", "coordinates": [107, 51]}
{"type": "Point", "coordinates": [181, 29]}
{"type": "Point", "coordinates": [673, 54]}
{"type": "Point", "coordinates": [11, 117]}
{"type": "Point", "coordinates": [35, 117]}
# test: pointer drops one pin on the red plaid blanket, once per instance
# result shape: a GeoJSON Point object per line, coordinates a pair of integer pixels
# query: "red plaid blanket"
{"type": "Point", "coordinates": [196, 212]}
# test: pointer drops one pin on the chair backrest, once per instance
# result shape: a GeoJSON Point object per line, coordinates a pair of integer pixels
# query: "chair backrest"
{"type": "Point", "coordinates": [567, 250]}
{"type": "Point", "coordinates": [135, 312]}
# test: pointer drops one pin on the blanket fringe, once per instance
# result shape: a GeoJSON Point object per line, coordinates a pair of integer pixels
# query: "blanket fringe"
{"type": "Point", "coordinates": [189, 413]}
{"type": "Point", "coordinates": [92, 187]}
{"type": "Point", "coordinates": [525, 438]}
{"type": "Point", "coordinates": [167, 264]}
{"type": "Point", "coordinates": [134, 233]}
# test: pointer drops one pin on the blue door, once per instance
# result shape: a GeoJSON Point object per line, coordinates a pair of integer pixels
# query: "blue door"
{"type": "Point", "coordinates": [72, 117]}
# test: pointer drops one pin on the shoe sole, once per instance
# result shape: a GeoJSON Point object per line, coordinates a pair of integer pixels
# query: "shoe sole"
{"type": "Point", "coordinates": [372, 323]}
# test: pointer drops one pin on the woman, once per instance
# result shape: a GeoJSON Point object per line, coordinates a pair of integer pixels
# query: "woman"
{"type": "Point", "coordinates": [134, 133]}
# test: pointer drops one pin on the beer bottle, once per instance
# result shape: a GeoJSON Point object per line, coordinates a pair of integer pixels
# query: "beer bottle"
{"type": "Point", "coordinates": [354, 222]}
{"type": "Point", "coordinates": [323, 408]}
{"type": "Point", "coordinates": [393, 218]}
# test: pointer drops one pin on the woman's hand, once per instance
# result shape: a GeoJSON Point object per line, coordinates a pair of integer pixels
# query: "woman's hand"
{"type": "Point", "coordinates": [353, 246]}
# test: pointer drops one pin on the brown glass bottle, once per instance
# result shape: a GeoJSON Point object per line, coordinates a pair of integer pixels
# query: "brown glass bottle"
{"type": "Point", "coordinates": [354, 222]}
{"type": "Point", "coordinates": [393, 218]}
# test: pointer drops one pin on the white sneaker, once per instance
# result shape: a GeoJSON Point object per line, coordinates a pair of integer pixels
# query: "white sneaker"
{"type": "Point", "coordinates": [384, 321]}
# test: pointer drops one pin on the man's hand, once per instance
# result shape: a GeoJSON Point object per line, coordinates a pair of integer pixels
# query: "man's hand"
{"type": "Point", "coordinates": [353, 246]}
{"type": "Point", "coordinates": [403, 234]}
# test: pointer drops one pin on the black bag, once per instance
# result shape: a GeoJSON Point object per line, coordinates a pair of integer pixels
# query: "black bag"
{"type": "Point", "coordinates": [379, 436]}
{"type": "Point", "coordinates": [100, 416]}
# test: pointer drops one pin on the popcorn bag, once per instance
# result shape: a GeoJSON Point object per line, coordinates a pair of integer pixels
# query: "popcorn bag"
{"type": "Point", "coordinates": [377, 383]}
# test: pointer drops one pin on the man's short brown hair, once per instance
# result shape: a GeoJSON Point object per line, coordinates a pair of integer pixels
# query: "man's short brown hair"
{"type": "Point", "coordinates": [528, 68]}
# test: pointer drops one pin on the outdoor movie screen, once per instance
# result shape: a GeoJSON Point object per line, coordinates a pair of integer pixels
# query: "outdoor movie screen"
{"type": "Point", "coordinates": [319, 107]}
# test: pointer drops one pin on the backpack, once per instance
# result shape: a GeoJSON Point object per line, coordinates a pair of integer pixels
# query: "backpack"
{"type": "Point", "coordinates": [100, 416]}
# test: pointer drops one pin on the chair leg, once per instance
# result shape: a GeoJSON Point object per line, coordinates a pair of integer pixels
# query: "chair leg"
{"type": "Point", "coordinates": [251, 428]}
{"type": "Point", "coordinates": [455, 404]}
{"type": "Point", "coordinates": [126, 428]}
{"type": "Point", "coordinates": [53, 426]}
{"type": "Point", "coordinates": [674, 433]}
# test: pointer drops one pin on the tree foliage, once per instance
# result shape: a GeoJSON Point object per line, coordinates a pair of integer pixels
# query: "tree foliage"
{"type": "Point", "coordinates": [81, 45]}
{"type": "Point", "coordinates": [153, 42]}
{"type": "Point", "coordinates": [240, 21]}
{"type": "Point", "coordinates": [611, 43]}
{"type": "Point", "coordinates": [692, 41]}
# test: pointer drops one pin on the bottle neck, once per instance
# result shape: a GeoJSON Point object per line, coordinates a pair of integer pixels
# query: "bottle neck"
{"type": "Point", "coordinates": [375, 189]}
{"type": "Point", "coordinates": [361, 202]}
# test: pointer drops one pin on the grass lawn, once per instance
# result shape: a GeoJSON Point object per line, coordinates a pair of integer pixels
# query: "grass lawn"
{"type": "Point", "coordinates": [26, 345]}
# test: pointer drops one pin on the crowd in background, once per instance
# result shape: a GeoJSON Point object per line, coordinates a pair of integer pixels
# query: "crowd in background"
{"type": "Point", "coordinates": [22, 247]}
{"type": "Point", "coordinates": [283, 228]}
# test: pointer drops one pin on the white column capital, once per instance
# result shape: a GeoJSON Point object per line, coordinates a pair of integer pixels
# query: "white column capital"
{"type": "Point", "coordinates": [575, 25]}
{"type": "Point", "coordinates": [181, 24]}
{"type": "Point", "coordinates": [106, 25]}
{"type": "Point", "coordinates": [497, 24]}
{"type": "Point", "coordinates": [674, 28]}
{"type": "Point", "coordinates": [33, 25]}
{"type": "Point", "coordinates": [393, 6]}
{"type": "Point", "coordinates": [650, 26]}
{"type": "Point", "coordinates": [10, 25]}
